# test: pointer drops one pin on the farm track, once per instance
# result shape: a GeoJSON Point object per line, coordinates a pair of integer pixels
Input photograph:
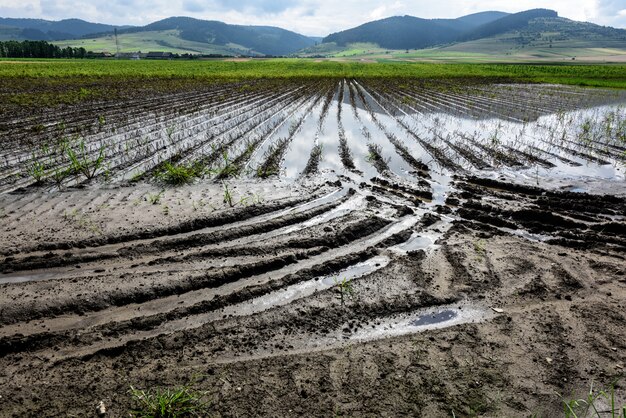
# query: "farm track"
{"type": "Point", "coordinates": [402, 190]}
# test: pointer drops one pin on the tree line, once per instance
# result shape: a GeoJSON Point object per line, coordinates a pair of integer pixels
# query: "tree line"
{"type": "Point", "coordinates": [38, 49]}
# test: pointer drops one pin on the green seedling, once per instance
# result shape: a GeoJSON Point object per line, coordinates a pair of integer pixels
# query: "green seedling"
{"type": "Point", "coordinates": [82, 221]}
{"type": "Point", "coordinates": [81, 162]}
{"type": "Point", "coordinates": [58, 175]}
{"type": "Point", "coordinates": [257, 199]}
{"type": "Point", "coordinates": [37, 170]}
{"type": "Point", "coordinates": [170, 132]}
{"type": "Point", "coordinates": [479, 247]}
{"type": "Point", "coordinates": [179, 174]}
{"type": "Point", "coordinates": [228, 197]}
{"type": "Point", "coordinates": [155, 198]}
{"type": "Point", "coordinates": [587, 407]}
{"type": "Point", "coordinates": [136, 176]}
{"type": "Point", "coordinates": [344, 287]}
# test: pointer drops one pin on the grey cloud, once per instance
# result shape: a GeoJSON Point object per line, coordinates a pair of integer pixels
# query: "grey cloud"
{"type": "Point", "coordinates": [193, 6]}
{"type": "Point", "coordinates": [53, 7]}
{"type": "Point", "coordinates": [609, 12]}
{"type": "Point", "coordinates": [263, 6]}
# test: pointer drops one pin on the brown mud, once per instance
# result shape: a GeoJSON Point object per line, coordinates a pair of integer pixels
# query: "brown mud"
{"type": "Point", "coordinates": [470, 295]}
{"type": "Point", "coordinates": [152, 309]}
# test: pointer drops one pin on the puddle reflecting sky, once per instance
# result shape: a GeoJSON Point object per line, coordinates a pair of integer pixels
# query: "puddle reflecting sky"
{"type": "Point", "coordinates": [554, 138]}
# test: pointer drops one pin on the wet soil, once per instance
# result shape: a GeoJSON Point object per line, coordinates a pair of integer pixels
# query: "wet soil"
{"type": "Point", "coordinates": [255, 317]}
{"type": "Point", "coordinates": [409, 283]}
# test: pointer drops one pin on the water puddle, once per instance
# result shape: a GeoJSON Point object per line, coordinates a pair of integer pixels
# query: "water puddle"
{"type": "Point", "coordinates": [301, 290]}
{"type": "Point", "coordinates": [22, 278]}
{"type": "Point", "coordinates": [434, 318]}
{"type": "Point", "coordinates": [351, 205]}
{"type": "Point", "coordinates": [526, 235]}
{"type": "Point", "coordinates": [418, 242]}
{"type": "Point", "coordinates": [421, 320]}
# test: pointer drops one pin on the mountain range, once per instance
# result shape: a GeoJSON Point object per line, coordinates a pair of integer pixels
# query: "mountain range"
{"type": "Point", "coordinates": [479, 31]}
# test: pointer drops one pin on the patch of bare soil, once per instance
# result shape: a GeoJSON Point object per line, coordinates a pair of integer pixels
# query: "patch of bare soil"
{"type": "Point", "coordinates": [519, 300]}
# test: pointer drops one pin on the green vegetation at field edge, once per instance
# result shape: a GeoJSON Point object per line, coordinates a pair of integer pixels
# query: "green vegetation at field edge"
{"type": "Point", "coordinates": [584, 75]}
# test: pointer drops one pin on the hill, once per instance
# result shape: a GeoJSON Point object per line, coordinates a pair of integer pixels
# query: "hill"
{"type": "Point", "coordinates": [10, 33]}
{"type": "Point", "coordinates": [538, 34]}
{"type": "Point", "coordinates": [548, 39]}
{"type": "Point", "coordinates": [481, 18]}
{"type": "Point", "coordinates": [208, 36]}
{"type": "Point", "coordinates": [48, 30]}
{"type": "Point", "coordinates": [533, 35]}
{"type": "Point", "coordinates": [165, 40]}
{"type": "Point", "coordinates": [400, 32]}
{"type": "Point", "coordinates": [408, 32]}
{"type": "Point", "coordinates": [508, 23]}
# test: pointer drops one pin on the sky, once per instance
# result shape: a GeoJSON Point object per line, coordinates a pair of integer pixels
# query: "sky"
{"type": "Point", "coordinates": [309, 17]}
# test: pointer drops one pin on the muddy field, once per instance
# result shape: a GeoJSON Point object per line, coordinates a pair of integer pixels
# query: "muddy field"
{"type": "Point", "coordinates": [348, 248]}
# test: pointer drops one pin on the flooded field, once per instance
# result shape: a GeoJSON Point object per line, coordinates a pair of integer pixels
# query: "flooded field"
{"type": "Point", "coordinates": [347, 247]}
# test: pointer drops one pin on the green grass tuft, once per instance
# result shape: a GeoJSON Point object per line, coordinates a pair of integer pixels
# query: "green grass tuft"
{"type": "Point", "coordinates": [180, 402]}
{"type": "Point", "coordinates": [179, 174]}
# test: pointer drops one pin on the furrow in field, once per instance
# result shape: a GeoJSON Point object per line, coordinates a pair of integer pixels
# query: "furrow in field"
{"type": "Point", "coordinates": [179, 125]}
{"type": "Point", "coordinates": [203, 311]}
{"type": "Point", "coordinates": [438, 153]}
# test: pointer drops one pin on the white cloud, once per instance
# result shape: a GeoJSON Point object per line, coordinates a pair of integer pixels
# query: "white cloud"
{"type": "Point", "coordinates": [311, 17]}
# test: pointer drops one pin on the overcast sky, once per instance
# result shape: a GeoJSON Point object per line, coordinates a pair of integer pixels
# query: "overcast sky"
{"type": "Point", "coordinates": [309, 17]}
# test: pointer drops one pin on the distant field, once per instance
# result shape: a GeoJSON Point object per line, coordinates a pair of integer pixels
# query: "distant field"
{"type": "Point", "coordinates": [585, 75]}
{"type": "Point", "coordinates": [489, 50]}
{"type": "Point", "coordinates": [152, 41]}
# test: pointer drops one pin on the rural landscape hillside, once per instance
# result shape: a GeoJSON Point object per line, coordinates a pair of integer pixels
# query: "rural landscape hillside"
{"type": "Point", "coordinates": [538, 34]}
{"type": "Point", "coordinates": [408, 32]}
{"type": "Point", "coordinates": [532, 35]}
{"type": "Point", "coordinates": [46, 30]}
{"type": "Point", "coordinates": [195, 36]}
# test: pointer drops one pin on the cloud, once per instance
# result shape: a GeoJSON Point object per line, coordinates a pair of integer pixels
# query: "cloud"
{"type": "Point", "coordinates": [193, 6]}
{"type": "Point", "coordinates": [611, 12]}
{"type": "Point", "coordinates": [310, 17]}
{"type": "Point", "coordinates": [262, 6]}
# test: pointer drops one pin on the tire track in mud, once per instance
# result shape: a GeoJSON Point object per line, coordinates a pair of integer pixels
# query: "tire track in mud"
{"type": "Point", "coordinates": [281, 246]}
{"type": "Point", "coordinates": [352, 242]}
{"type": "Point", "coordinates": [577, 220]}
